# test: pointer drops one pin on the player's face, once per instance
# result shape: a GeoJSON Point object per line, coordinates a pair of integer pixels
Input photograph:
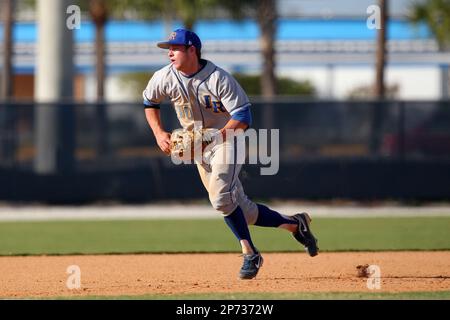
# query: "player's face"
{"type": "Point", "coordinates": [181, 56]}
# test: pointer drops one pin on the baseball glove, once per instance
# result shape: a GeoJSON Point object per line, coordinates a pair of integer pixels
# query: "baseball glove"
{"type": "Point", "coordinates": [185, 144]}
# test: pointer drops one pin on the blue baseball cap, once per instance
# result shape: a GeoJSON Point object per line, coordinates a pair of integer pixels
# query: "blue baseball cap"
{"type": "Point", "coordinates": [181, 37]}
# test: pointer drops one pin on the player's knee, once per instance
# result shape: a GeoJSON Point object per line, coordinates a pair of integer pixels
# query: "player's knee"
{"type": "Point", "coordinates": [223, 202]}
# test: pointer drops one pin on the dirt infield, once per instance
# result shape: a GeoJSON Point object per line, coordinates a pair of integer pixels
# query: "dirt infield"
{"type": "Point", "coordinates": [45, 276]}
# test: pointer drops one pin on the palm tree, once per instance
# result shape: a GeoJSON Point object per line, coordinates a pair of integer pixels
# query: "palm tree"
{"type": "Point", "coordinates": [266, 15]}
{"type": "Point", "coordinates": [99, 15]}
{"type": "Point", "coordinates": [265, 12]}
{"type": "Point", "coordinates": [381, 50]}
{"type": "Point", "coordinates": [7, 80]}
{"type": "Point", "coordinates": [7, 148]}
{"type": "Point", "coordinates": [436, 14]}
{"type": "Point", "coordinates": [378, 108]}
{"type": "Point", "coordinates": [100, 12]}
{"type": "Point", "coordinates": [190, 11]}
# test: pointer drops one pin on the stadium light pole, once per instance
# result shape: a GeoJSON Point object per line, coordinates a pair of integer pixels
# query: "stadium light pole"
{"type": "Point", "coordinates": [54, 87]}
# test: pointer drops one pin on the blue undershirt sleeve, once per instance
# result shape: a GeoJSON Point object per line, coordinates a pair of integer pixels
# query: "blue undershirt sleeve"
{"type": "Point", "coordinates": [243, 115]}
{"type": "Point", "coordinates": [149, 104]}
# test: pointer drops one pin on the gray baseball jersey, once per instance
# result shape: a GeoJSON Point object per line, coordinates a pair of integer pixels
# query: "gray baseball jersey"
{"type": "Point", "coordinates": [208, 98]}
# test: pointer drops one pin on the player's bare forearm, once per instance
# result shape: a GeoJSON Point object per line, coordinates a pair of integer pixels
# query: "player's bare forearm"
{"type": "Point", "coordinates": [154, 121]}
{"type": "Point", "coordinates": [233, 125]}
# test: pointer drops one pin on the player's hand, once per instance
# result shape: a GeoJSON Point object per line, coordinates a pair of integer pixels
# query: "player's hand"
{"type": "Point", "coordinates": [163, 140]}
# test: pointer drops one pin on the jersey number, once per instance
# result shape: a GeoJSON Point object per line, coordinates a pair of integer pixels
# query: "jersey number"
{"type": "Point", "coordinates": [184, 111]}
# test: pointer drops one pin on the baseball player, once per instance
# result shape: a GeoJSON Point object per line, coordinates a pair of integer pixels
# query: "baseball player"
{"type": "Point", "coordinates": [207, 96]}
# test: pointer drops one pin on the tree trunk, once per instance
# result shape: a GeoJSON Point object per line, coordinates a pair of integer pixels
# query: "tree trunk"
{"type": "Point", "coordinates": [100, 61]}
{"type": "Point", "coordinates": [101, 112]}
{"type": "Point", "coordinates": [267, 16]}
{"type": "Point", "coordinates": [99, 14]}
{"type": "Point", "coordinates": [7, 111]}
{"type": "Point", "coordinates": [7, 74]}
{"type": "Point", "coordinates": [167, 17]}
{"type": "Point", "coordinates": [380, 92]}
{"type": "Point", "coordinates": [188, 24]}
{"type": "Point", "coordinates": [381, 51]}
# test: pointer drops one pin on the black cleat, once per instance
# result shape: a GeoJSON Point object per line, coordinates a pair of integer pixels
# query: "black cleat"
{"type": "Point", "coordinates": [250, 268]}
{"type": "Point", "coordinates": [304, 234]}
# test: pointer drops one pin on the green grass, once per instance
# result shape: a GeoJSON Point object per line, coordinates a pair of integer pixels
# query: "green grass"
{"type": "Point", "coordinates": [95, 237]}
{"type": "Point", "coordinates": [437, 295]}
